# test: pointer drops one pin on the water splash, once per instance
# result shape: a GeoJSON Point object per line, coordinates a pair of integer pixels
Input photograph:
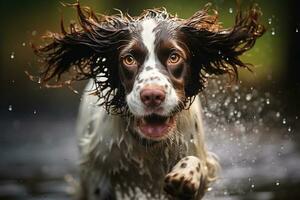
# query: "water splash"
{"type": "Point", "coordinates": [12, 55]}
{"type": "Point", "coordinates": [278, 114]}
{"type": "Point", "coordinates": [33, 33]}
{"type": "Point", "coordinates": [270, 21]}
{"type": "Point", "coordinates": [284, 121]}
{"type": "Point", "coordinates": [248, 97]}
{"type": "Point", "coordinates": [273, 31]}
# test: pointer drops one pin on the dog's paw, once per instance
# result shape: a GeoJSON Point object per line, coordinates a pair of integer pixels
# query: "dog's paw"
{"type": "Point", "coordinates": [184, 179]}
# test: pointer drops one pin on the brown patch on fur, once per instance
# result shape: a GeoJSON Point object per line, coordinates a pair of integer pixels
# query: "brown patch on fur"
{"type": "Point", "coordinates": [216, 50]}
{"type": "Point", "coordinates": [80, 51]}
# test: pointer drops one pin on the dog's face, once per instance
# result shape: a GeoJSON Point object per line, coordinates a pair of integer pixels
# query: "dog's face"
{"type": "Point", "coordinates": [151, 65]}
{"type": "Point", "coordinates": [154, 67]}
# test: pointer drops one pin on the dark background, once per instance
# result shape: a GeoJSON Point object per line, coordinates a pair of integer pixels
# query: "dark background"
{"type": "Point", "coordinates": [37, 141]}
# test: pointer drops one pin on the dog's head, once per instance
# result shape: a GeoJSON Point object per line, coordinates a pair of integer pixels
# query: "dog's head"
{"type": "Point", "coordinates": [151, 65]}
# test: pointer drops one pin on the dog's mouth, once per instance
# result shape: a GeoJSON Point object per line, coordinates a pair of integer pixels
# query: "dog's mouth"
{"type": "Point", "coordinates": [155, 127]}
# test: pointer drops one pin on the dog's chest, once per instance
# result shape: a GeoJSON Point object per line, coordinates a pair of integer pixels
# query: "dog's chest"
{"type": "Point", "coordinates": [138, 171]}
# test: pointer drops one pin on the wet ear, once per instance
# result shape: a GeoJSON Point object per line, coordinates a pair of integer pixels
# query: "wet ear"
{"type": "Point", "coordinates": [88, 51]}
{"type": "Point", "coordinates": [215, 50]}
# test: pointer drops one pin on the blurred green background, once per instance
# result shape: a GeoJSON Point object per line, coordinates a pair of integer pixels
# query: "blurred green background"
{"type": "Point", "coordinates": [274, 56]}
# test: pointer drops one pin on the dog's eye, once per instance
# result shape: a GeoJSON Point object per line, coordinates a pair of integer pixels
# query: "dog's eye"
{"type": "Point", "coordinates": [174, 58]}
{"type": "Point", "coordinates": [129, 60]}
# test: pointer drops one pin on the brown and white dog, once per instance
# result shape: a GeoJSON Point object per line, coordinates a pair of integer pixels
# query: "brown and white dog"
{"type": "Point", "coordinates": [139, 129]}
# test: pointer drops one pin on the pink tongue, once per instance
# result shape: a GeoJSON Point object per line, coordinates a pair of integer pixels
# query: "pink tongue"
{"type": "Point", "coordinates": [153, 130]}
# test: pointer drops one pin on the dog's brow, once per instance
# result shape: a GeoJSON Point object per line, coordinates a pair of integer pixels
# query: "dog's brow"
{"type": "Point", "coordinates": [128, 47]}
{"type": "Point", "coordinates": [179, 48]}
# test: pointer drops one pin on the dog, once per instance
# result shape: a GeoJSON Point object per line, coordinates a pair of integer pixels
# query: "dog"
{"type": "Point", "coordinates": [140, 128]}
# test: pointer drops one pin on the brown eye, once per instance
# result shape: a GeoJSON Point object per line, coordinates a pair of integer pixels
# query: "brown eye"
{"type": "Point", "coordinates": [174, 58]}
{"type": "Point", "coordinates": [129, 60]}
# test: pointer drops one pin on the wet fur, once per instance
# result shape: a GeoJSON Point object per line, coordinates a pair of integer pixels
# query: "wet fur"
{"type": "Point", "coordinates": [111, 157]}
{"type": "Point", "coordinates": [80, 51]}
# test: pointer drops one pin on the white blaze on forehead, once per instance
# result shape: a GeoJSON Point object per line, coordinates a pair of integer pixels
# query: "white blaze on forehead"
{"type": "Point", "coordinates": [148, 36]}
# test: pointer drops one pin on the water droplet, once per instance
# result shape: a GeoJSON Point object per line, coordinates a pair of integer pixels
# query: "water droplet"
{"type": "Point", "coordinates": [248, 97]}
{"type": "Point", "coordinates": [284, 121]}
{"type": "Point", "coordinates": [12, 55]}
{"type": "Point", "coordinates": [252, 186]}
{"type": "Point", "coordinates": [268, 101]}
{"type": "Point", "coordinates": [103, 59]}
{"type": "Point", "coordinates": [34, 112]}
{"type": "Point", "coordinates": [278, 114]}
{"type": "Point", "coordinates": [209, 189]}
{"type": "Point", "coordinates": [270, 20]}
{"type": "Point", "coordinates": [10, 108]}
{"type": "Point", "coordinates": [289, 129]}
{"type": "Point", "coordinates": [273, 31]}
{"type": "Point", "coordinates": [279, 154]}
{"type": "Point", "coordinates": [33, 33]}
{"type": "Point", "coordinates": [23, 44]}
{"type": "Point", "coordinates": [277, 183]}
{"type": "Point", "coordinates": [230, 10]}
{"type": "Point", "coordinates": [297, 30]}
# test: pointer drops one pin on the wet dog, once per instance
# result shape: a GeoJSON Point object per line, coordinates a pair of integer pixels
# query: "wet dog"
{"type": "Point", "coordinates": [140, 129]}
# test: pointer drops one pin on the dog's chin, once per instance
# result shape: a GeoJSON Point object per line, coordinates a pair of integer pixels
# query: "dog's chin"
{"type": "Point", "coordinates": [155, 127]}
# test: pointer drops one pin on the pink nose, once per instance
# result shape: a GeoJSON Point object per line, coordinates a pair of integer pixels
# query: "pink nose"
{"type": "Point", "coordinates": [152, 96]}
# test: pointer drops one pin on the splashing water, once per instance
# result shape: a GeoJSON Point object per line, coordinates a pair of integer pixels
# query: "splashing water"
{"type": "Point", "coordinates": [12, 55]}
{"type": "Point", "coordinates": [10, 108]}
{"type": "Point", "coordinates": [270, 21]}
{"type": "Point", "coordinates": [250, 126]}
{"type": "Point", "coordinates": [273, 31]}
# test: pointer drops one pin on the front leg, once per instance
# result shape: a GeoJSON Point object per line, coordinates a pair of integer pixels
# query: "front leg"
{"type": "Point", "coordinates": [184, 180]}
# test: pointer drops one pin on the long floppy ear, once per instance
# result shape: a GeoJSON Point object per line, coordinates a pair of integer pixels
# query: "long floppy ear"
{"type": "Point", "coordinates": [88, 51]}
{"type": "Point", "coordinates": [216, 51]}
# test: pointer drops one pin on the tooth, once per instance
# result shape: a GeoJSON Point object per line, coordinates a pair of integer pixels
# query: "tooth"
{"type": "Point", "coordinates": [168, 119]}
